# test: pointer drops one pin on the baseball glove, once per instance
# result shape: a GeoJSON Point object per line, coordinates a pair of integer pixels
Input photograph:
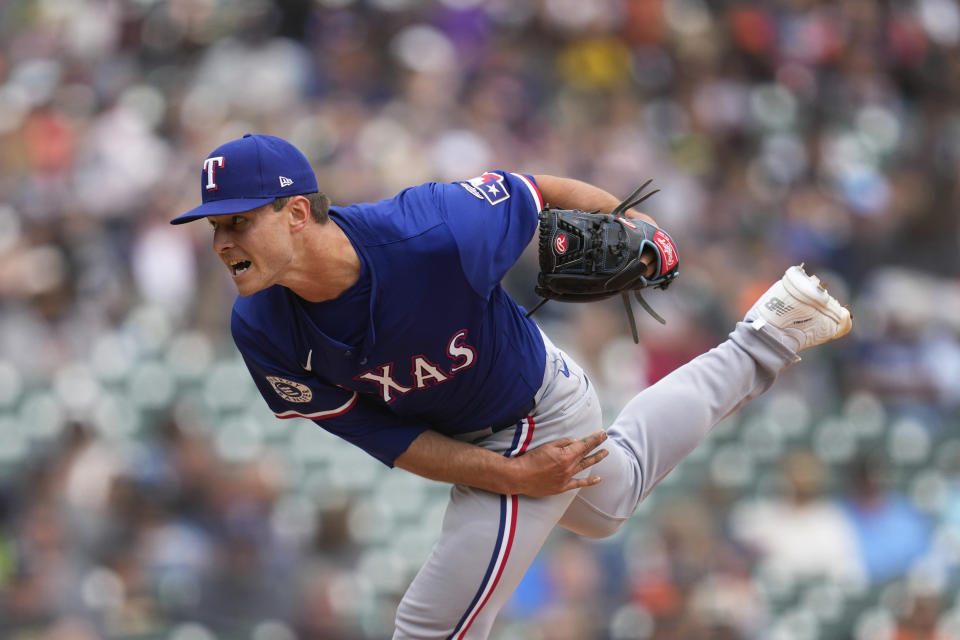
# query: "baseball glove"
{"type": "Point", "coordinates": [592, 256]}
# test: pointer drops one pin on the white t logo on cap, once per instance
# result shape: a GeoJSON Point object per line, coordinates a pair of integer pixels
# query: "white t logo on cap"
{"type": "Point", "coordinates": [210, 165]}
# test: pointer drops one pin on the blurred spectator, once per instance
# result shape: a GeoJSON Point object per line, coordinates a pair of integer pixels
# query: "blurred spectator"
{"type": "Point", "coordinates": [801, 533]}
{"type": "Point", "coordinates": [920, 619]}
{"type": "Point", "coordinates": [570, 578]}
{"type": "Point", "coordinates": [909, 354]}
{"type": "Point", "coordinates": [891, 532]}
{"type": "Point", "coordinates": [691, 577]}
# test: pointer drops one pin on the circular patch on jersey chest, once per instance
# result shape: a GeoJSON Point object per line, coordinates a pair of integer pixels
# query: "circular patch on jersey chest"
{"type": "Point", "coordinates": [289, 390]}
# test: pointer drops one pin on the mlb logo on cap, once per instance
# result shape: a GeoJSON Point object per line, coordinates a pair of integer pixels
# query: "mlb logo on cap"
{"type": "Point", "coordinates": [248, 173]}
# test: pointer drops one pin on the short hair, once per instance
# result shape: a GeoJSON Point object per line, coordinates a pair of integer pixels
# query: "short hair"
{"type": "Point", "coordinates": [319, 205]}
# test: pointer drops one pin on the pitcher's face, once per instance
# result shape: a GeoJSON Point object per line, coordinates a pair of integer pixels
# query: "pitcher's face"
{"type": "Point", "coordinates": [256, 246]}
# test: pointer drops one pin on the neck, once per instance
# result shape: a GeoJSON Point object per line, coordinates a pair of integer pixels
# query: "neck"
{"type": "Point", "coordinates": [326, 264]}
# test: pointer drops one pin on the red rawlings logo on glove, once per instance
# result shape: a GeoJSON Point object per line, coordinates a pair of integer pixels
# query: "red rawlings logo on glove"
{"type": "Point", "coordinates": [560, 244]}
{"type": "Point", "coordinates": [667, 250]}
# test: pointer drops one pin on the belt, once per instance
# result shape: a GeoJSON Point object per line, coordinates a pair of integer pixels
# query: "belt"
{"type": "Point", "coordinates": [520, 415]}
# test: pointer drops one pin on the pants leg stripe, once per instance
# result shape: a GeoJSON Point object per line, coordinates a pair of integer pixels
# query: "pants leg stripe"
{"type": "Point", "coordinates": [524, 435]}
{"type": "Point", "coordinates": [505, 534]}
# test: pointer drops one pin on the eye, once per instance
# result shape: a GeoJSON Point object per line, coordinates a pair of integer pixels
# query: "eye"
{"type": "Point", "coordinates": [235, 220]}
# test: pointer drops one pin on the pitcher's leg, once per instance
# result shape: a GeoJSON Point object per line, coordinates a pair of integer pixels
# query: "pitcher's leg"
{"type": "Point", "coordinates": [487, 543]}
{"type": "Point", "coordinates": [664, 422]}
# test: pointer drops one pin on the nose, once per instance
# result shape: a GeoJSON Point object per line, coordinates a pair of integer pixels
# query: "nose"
{"type": "Point", "coordinates": [222, 240]}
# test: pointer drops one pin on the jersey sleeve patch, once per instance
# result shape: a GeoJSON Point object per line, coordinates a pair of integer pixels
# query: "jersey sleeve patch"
{"type": "Point", "coordinates": [472, 190]}
{"type": "Point", "coordinates": [491, 186]}
{"type": "Point", "coordinates": [491, 231]}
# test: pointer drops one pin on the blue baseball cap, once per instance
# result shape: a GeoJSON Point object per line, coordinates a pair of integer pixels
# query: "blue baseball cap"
{"type": "Point", "coordinates": [250, 172]}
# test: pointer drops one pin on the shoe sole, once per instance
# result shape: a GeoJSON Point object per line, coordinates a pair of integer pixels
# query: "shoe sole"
{"type": "Point", "coordinates": [798, 284]}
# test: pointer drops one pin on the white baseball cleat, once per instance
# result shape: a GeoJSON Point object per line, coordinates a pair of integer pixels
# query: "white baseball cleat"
{"type": "Point", "coordinates": [799, 305]}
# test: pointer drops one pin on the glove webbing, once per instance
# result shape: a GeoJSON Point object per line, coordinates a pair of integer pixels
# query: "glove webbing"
{"type": "Point", "coordinates": [628, 203]}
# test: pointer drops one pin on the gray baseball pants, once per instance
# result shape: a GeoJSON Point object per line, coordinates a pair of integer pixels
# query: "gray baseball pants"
{"type": "Point", "coordinates": [488, 541]}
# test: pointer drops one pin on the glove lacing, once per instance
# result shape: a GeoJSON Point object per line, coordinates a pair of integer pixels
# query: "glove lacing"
{"type": "Point", "coordinates": [594, 253]}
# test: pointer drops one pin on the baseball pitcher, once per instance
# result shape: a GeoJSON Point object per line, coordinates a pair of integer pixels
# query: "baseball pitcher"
{"type": "Point", "coordinates": [386, 324]}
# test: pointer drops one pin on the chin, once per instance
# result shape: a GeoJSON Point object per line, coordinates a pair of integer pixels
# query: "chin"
{"type": "Point", "coordinates": [247, 289]}
{"type": "Point", "coordinates": [252, 281]}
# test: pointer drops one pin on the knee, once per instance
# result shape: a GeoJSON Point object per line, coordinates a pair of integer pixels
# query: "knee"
{"type": "Point", "coordinates": [416, 618]}
{"type": "Point", "coordinates": [408, 622]}
{"type": "Point", "coordinates": [593, 527]}
{"type": "Point", "coordinates": [605, 531]}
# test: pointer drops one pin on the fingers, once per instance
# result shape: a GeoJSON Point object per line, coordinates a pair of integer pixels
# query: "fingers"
{"type": "Point", "coordinates": [649, 258]}
{"type": "Point", "coordinates": [585, 463]}
{"type": "Point", "coordinates": [633, 213]}
{"type": "Point", "coordinates": [574, 448]}
{"type": "Point", "coordinates": [589, 443]}
{"type": "Point", "coordinates": [580, 483]}
{"type": "Point", "coordinates": [593, 459]}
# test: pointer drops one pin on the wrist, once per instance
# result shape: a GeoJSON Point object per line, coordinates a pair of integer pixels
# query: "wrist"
{"type": "Point", "coordinates": [512, 480]}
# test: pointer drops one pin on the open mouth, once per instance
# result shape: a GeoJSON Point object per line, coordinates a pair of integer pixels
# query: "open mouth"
{"type": "Point", "coordinates": [239, 266]}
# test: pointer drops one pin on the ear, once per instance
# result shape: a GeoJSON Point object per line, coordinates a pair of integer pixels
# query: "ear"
{"type": "Point", "coordinates": [298, 213]}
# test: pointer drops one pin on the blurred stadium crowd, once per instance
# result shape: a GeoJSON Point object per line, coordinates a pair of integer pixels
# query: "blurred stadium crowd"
{"type": "Point", "coordinates": [147, 492]}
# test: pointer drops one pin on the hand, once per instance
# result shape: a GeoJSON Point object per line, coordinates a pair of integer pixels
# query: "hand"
{"type": "Point", "coordinates": [633, 213]}
{"type": "Point", "coordinates": [649, 258]}
{"type": "Point", "coordinates": [549, 469]}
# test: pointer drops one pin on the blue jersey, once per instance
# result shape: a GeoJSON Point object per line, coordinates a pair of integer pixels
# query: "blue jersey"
{"type": "Point", "coordinates": [443, 346]}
